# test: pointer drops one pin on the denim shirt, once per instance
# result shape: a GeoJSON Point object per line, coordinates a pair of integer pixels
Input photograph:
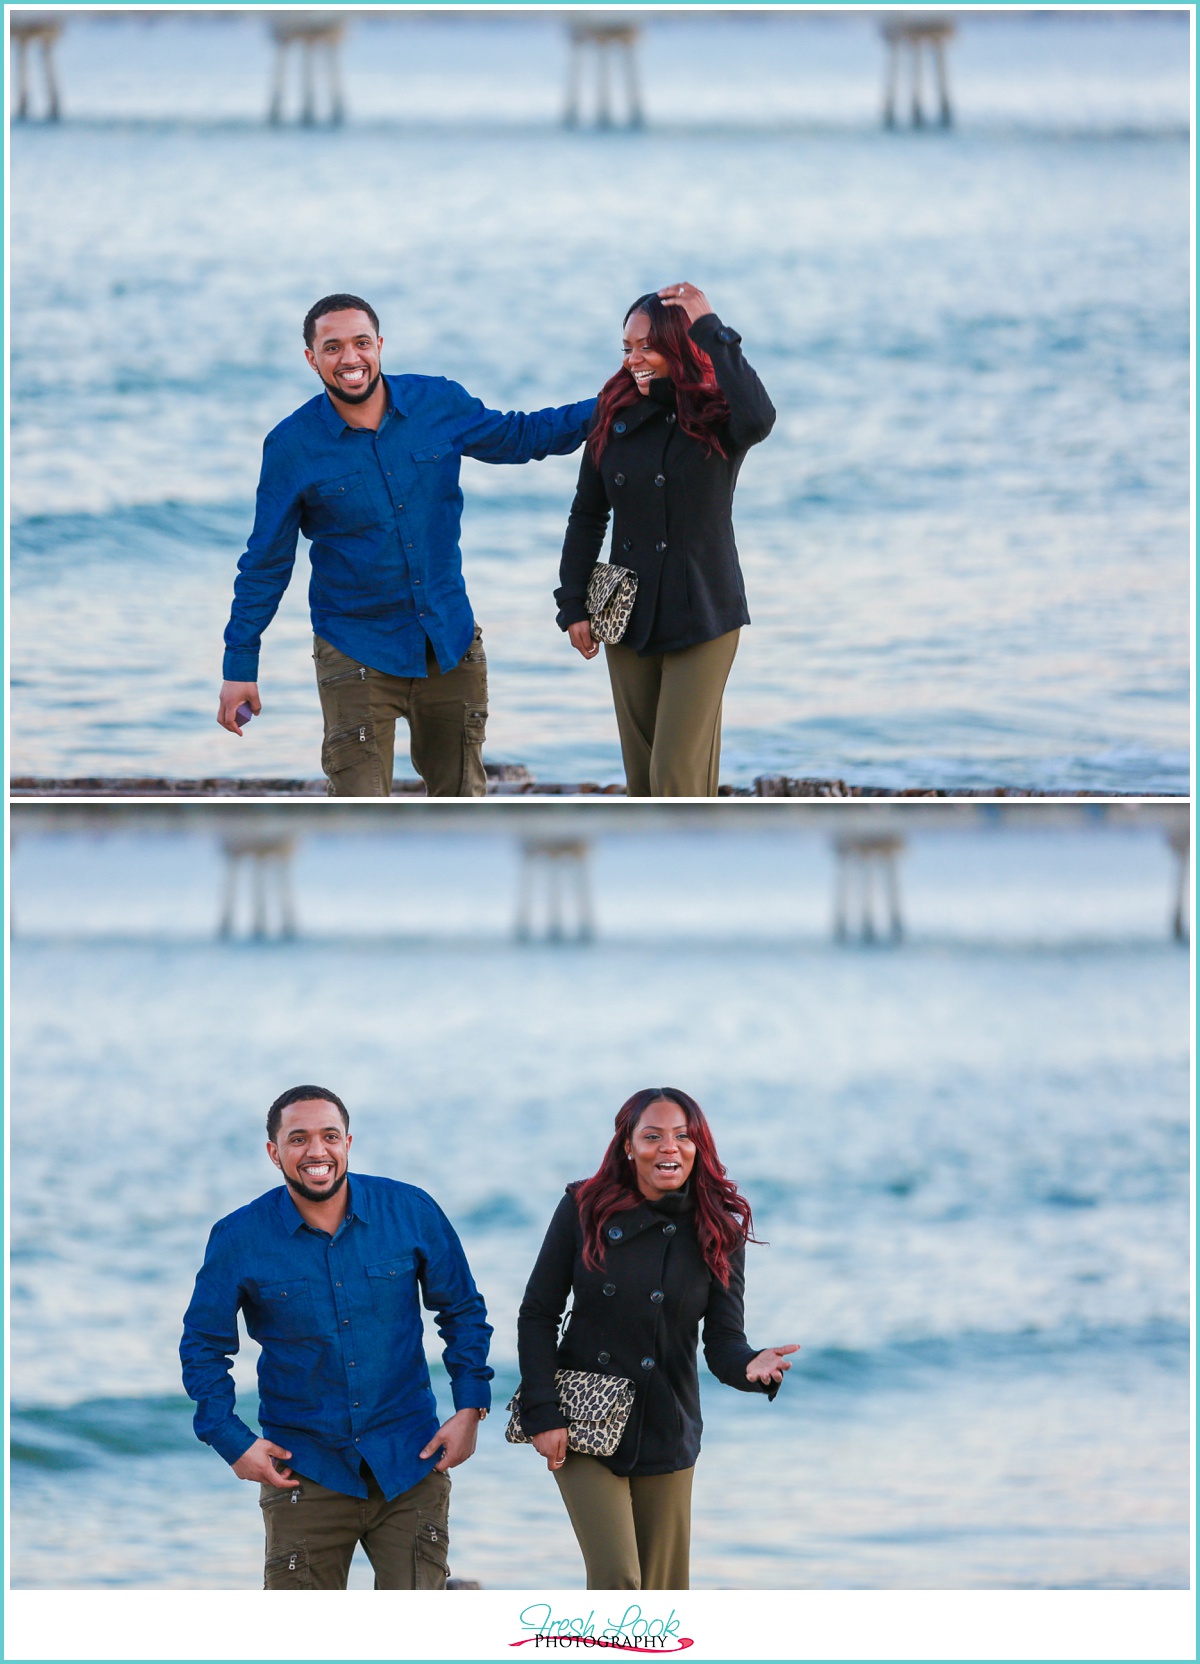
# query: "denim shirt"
{"type": "Point", "coordinates": [383, 511]}
{"type": "Point", "coordinates": [342, 1373]}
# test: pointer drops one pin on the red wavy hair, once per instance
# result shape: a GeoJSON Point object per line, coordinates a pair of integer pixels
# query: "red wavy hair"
{"type": "Point", "coordinates": [723, 1218]}
{"type": "Point", "coordinates": [699, 402]}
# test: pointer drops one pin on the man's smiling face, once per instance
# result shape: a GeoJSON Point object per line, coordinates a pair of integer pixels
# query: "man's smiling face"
{"type": "Point", "coordinates": [313, 1149]}
{"type": "Point", "coordinates": [345, 354]}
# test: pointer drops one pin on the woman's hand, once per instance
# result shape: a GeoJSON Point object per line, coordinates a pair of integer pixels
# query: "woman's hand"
{"type": "Point", "coordinates": [694, 301]}
{"type": "Point", "coordinates": [769, 1364]}
{"type": "Point", "coordinates": [582, 638]}
{"type": "Point", "coordinates": [553, 1445]}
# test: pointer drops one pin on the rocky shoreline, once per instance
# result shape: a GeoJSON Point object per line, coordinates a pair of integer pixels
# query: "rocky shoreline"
{"type": "Point", "coordinates": [504, 780]}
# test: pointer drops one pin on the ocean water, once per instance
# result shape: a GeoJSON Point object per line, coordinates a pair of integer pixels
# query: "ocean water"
{"type": "Point", "coordinates": [968, 1157]}
{"type": "Point", "coordinates": [966, 543]}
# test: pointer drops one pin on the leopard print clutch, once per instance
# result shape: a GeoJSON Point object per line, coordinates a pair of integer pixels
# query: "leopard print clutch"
{"type": "Point", "coordinates": [596, 1406]}
{"type": "Point", "coordinates": [611, 592]}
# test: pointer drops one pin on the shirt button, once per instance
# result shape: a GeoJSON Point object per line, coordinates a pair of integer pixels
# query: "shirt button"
{"type": "Point", "coordinates": [619, 479]}
{"type": "Point", "coordinates": [610, 1288]}
{"type": "Point", "coordinates": [668, 1230]}
{"type": "Point", "coordinates": [356, 1403]}
{"type": "Point", "coordinates": [352, 1363]}
{"type": "Point", "coordinates": [647, 1363]}
{"type": "Point", "coordinates": [345, 1320]}
{"type": "Point", "coordinates": [660, 546]}
{"type": "Point", "coordinates": [602, 1357]}
{"type": "Point", "coordinates": [657, 1297]}
{"type": "Point", "coordinates": [399, 505]}
{"type": "Point", "coordinates": [660, 479]}
{"type": "Point", "coordinates": [337, 1285]}
{"type": "Point", "coordinates": [408, 545]}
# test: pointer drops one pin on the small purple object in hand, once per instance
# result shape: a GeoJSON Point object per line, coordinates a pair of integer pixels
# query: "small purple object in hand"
{"type": "Point", "coordinates": [244, 713]}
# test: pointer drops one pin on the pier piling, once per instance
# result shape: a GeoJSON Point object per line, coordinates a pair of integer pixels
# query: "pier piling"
{"type": "Point", "coordinates": [267, 861]}
{"type": "Point", "coordinates": [909, 39]}
{"type": "Point", "coordinates": [554, 882]}
{"type": "Point", "coordinates": [867, 874]}
{"type": "Point", "coordinates": [42, 32]}
{"type": "Point", "coordinates": [596, 44]}
{"type": "Point", "coordinates": [316, 39]}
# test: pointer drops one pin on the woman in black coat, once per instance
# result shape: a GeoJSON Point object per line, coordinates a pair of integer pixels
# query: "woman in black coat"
{"type": "Point", "coordinates": [667, 439]}
{"type": "Point", "coordinates": [651, 1247]}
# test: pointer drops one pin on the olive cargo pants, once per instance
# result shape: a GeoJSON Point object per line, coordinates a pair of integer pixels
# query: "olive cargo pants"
{"type": "Point", "coordinates": [312, 1533]}
{"type": "Point", "coordinates": [446, 714]}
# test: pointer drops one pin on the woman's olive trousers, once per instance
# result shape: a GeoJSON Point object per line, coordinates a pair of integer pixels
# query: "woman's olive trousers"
{"type": "Point", "coordinates": [634, 1533]}
{"type": "Point", "coordinates": [669, 716]}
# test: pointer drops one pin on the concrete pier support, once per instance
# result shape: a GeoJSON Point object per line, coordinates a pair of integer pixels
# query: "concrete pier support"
{"type": "Point", "coordinates": [42, 32]}
{"type": "Point", "coordinates": [908, 40]}
{"type": "Point", "coordinates": [317, 41]}
{"type": "Point", "coordinates": [269, 907]}
{"type": "Point", "coordinates": [554, 897]}
{"type": "Point", "coordinates": [867, 900]}
{"type": "Point", "coordinates": [597, 44]}
{"type": "Point", "coordinates": [1180, 840]}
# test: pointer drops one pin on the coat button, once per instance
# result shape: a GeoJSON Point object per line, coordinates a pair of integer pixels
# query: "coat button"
{"type": "Point", "coordinates": [602, 1357]}
{"type": "Point", "coordinates": [647, 1363]}
{"type": "Point", "coordinates": [657, 1297]}
{"type": "Point", "coordinates": [660, 479]}
{"type": "Point", "coordinates": [610, 1288]}
{"type": "Point", "coordinates": [615, 1233]}
{"type": "Point", "coordinates": [619, 479]}
{"type": "Point", "coordinates": [668, 1230]}
{"type": "Point", "coordinates": [618, 427]}
{"type": "Point", "coordinates": [660, 546]}
{"type": "Point", "coordinates": [670, 416]}
{"type": "Point", "coordinates": [627, 543]}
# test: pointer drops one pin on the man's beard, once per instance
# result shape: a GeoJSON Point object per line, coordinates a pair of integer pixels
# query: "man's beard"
{"type": "Point", "coordinates": [332, 388]}
{"type": "Point", "coordinates": [311, 1195]}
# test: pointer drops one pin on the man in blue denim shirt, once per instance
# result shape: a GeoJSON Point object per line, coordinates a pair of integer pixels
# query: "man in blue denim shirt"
{"type": "Point", "coordinates": [328, 1273]}
{"type": "Point", "coordinates": [368, 470]}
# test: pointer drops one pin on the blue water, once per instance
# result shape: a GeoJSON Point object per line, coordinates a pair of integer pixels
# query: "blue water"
{"type": "Point", "coordinates": [966, 544]}
{"type": "Point", "coordinates": [968, 1156]}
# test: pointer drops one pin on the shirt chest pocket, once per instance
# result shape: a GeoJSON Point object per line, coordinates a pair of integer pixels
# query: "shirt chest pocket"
{"type": "Point", "coordinates": [391, 1282]}
{"type": "Point", "coordinates": [289, 1308]}
{"type": "Point", "coordinates": [342, 504]}
{"type": "Point", "coordinates": [437, 469]}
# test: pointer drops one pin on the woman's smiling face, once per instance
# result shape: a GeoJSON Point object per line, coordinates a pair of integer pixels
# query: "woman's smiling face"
{"type": "Point", "coordinates": [660, 1149]}
{"type": "Point", "coordinates": [640, 359]}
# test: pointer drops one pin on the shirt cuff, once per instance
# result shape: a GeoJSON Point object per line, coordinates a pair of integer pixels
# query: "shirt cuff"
{"type": "Point", "coordinates": [241, 664]}
{"type": "Point", "coordinates": [232, 1440]}
{"type": "Point", "coordinates": [471, 1395]}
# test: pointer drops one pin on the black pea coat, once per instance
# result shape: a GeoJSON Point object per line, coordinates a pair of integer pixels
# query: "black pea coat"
{"type": "Point", "coordinates": [672, 509]}
{"type": "Point", "coordinates": [637, 1318]}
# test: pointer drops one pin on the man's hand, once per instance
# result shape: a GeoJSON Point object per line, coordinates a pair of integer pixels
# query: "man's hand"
{"type": "Point", "coordinates": [234, 694]}
{"type": "Point", "coordinates": [257, 1464]}
{"type": "Point", "coordinates": [551, 1445]}
{"type": "Point", "coordinates": [457, 1438]}
{"type": "Point", "coordinates": [769, 1364]}
{"type": "Point", "coordinates": [582, 638]}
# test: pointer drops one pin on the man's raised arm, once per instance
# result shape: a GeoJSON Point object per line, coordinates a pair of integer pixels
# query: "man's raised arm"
{"type": "Point", "coordinates": [521, 435]}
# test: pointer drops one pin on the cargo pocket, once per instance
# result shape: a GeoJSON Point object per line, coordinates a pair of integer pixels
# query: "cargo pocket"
{"type": "Point", "coordinates": [474, 724]}
{"type": "Point", "coordinates": [430, 1551]}
{"type": "Point", "coordinates": [289, 1569]}
{"type": "Point", "coordinates": [350, 762]}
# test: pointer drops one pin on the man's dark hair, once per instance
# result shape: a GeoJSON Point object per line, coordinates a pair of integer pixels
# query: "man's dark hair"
{"type": "Point", "coordinates": [301, 1095]}
{"type": "Point", "coordinates": [336, 303]}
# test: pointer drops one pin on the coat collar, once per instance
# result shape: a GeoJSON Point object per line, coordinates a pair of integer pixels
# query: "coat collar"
{"type": "Point", "coordinates": [634, 415]}
{"type": "Point", "coordinates": [638, 1220]}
